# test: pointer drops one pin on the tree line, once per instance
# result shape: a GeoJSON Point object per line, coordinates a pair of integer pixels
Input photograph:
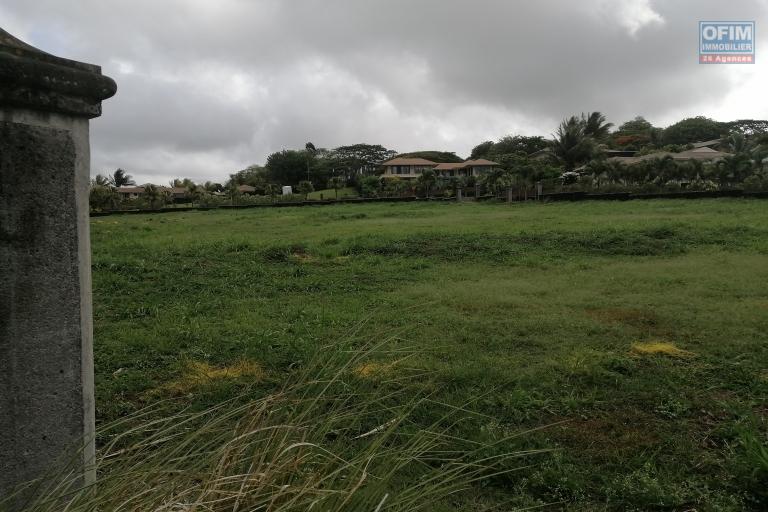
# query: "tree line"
{"type": "Point", "coordinates": [576, 155]}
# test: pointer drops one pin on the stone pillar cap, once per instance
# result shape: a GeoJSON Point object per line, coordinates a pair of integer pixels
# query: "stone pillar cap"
{"type": "Point", "coordinates": [31, 78]}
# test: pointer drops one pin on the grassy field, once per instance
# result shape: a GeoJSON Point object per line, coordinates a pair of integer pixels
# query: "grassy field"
{"type": "Point", "coordinates": [330, 193]}
{"type": "Point", "coordinates": [633, 333]}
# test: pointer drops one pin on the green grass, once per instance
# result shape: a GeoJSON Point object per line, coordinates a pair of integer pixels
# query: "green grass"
{"type": "Point", "coordinates": [338, 436]}
{"type": "Point", "coordinates": [330, 193]}
{"type": "Point", "coordinates": [524, 315]}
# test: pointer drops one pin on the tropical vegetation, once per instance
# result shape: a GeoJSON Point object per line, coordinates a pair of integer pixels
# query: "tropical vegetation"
{"type": "Point", "coordinates": [578, 156]}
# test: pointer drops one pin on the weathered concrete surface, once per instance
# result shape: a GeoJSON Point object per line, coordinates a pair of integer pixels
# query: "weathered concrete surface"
{"type": "Point", "coordinates": [46, 342]}
{"type": "Point", "coordinates": [30, 78]}
{"type": "Point", "coordinates": [45, 381]}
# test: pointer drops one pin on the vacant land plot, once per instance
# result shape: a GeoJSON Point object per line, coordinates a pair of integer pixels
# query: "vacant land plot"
{"type": "Point", "coordinates": [634, 332]}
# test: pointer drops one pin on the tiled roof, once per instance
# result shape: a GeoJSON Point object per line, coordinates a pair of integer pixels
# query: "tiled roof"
{"type": "Point", "coordinates": [480, 161]}
{"type": "Point", "coordinates": [450, 166]}
{"type": "Point", "coordinates": [409, 161]}
{"type": "Point", "coordinates": [702, 153]}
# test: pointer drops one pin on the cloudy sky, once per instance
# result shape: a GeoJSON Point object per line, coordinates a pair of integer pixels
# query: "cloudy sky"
{"type": "Point", "coordinates": [208, 87]}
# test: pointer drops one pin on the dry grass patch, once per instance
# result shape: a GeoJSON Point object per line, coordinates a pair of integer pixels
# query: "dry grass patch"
{"type": "Point", "coordinates": [371, 369]}
{"type": "Point", "coordinates": [197, 374]}
{"type": "Point", "coordinates": [302, 256]}
{"type": "Point", "coordinates": [664, 348]}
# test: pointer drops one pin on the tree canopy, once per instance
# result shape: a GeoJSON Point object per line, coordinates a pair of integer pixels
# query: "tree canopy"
{"type": "Point", "coordinates": [120, 178]}
{"type": "Point", "coordinates": [747, 126]}
{"type": "Point", "coordinates": [482, 150]}
{"type": "Point", "coordinates": [509, 150]}
{"type": "Point", "coordinates": [638, 125]}
{"type": "Point", "coordinates": [441, 157]}
{"type": "Point", "coordinates": [318, 165]}
{"type": "Point", "coordinates": [693, 129]}
{"type": "Point", "coordinates": [636, 134]}
{"type": "Point", "coordinates": [572, 145]}
{"type": "Point", "coordinates": [595, 125]}
{"type": "Point", "coordinates": [287, 167]}
{"type": "Point", "coordinates": [579, 140]}
{"type": "Point", "coordinates": [360, 158]}
{"type": "Point", "coordinates": [518, 144]}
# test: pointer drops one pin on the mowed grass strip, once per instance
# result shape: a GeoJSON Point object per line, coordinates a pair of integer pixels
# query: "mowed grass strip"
{"type": "Point", "coordinates": [526, 316]}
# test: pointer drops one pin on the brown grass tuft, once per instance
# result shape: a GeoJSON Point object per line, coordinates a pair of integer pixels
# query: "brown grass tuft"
{"type": "Point", "coordinates": [197, 374]}
{"type": "Point", "coordinates": [371, 369]}
{"type": "Point", "coordinates": [665, 348]}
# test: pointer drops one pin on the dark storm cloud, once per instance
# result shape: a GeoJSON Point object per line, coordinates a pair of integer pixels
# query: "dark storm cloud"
{"type": "Point", "coordinates": [207, 87]}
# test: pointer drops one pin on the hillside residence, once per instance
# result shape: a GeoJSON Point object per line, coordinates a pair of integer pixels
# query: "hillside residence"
{"type": "Point", "coordinates": [410, 168]}
{"type": "Point", "coordinates": [712, 144]}
{"type": "Point", "coordinates": [246, 189]}
{"type": "Point", "coordinates": [546, 154]}
{"type": "Point", "coordinates": [176, 193]}
{"type": "Point", "coordinates": [703, 153]}
{"type": "Point", "coordinates": [130, 192]}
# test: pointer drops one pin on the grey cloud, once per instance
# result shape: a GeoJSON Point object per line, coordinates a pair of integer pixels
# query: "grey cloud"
{"type": "Point", "coordinates": [210, 87]}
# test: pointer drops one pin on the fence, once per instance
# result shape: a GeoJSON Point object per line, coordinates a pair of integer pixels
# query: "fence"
{"type": "Point", "coordinates": [556, 196]}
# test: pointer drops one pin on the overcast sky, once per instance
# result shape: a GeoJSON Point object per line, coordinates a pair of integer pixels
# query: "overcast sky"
{"type": "Point", "coordinates": [208, 87]}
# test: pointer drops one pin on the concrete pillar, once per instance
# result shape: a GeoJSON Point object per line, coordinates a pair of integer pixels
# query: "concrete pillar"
{"type": "Point", "coordinates": [459, 193]}
{"type": "Point", "coordinates": [510, 194]}
{"type": "Point", "coordinates": [46, 341]}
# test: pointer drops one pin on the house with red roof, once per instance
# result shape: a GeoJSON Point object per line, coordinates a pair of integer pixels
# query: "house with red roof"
{"type": "Point", "coordinates": [410, 168]}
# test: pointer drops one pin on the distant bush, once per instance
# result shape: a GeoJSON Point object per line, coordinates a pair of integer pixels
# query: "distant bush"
{"type": "Point", "coordinates": [756, 182]}
{"type": "Point", "coordinates": [209, 200]}
{"type": "Point", "coordinates": [289, 198]}
{"type": "Point", "coordinates": [369, 186]}
{"type": "Point", "coordinates": [103, 197]}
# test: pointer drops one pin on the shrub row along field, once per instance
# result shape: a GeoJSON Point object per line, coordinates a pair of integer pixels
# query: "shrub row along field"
{"type": "Point", "coordinates": [630, 338]}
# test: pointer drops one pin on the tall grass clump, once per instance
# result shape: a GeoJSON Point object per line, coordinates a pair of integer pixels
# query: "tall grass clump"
{"type": "Point", "coordinates": [334, 438]}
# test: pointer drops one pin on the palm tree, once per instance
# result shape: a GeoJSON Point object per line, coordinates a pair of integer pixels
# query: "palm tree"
{"type": "Point", "coordinates": [305, 187]}
{"type": "Point", "coordinates": [103, 197]}
{"type": "Point", "coordinates": [618, 173]}
{"type": "Point", "coordinates": [571, 144]}
{"type": "Point", "coordinates": [667, 170]}
{"type": "Point", "coordinates": [233, 191]}
{"type": "Point", "coordinates": [271, 190]}
{"type": "Point", "coordinates": [599, 171]}
{"type": "Point", "coordinates": [194, 192]}
{"type": "Point", "coordinates": [760, 151]}
{"type": "Point", "coordinates": [336, 183]}
{"type": "Point", "coordinates": [210, 186]}
{"type": "Point", "coordinates": [401, 186]}
{"type": "Point", "coordinates": [737, 143]}
{"type": "Point", "coordinates": [101, 181]}
{"type": "Point", "coordinates": [426, 180]}
{"type": "Point", "coordinates": [155, 196]}
{"type": "Point", "coordinates": [655, 137]}
{"type": "Point", "coordinates": [311, 152]}
{"type": "Point", "coordinates": [122, 179]}
{"type": "Point", "coordinates": [499, 179]}
{"type": "Point", "coordinates": [734, 168]}
{"type": "Point", "coordinates": [595, 125]}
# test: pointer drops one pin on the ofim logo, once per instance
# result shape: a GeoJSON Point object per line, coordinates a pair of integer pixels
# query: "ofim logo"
{"type": "Point", "coordinates": [726, 42]}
